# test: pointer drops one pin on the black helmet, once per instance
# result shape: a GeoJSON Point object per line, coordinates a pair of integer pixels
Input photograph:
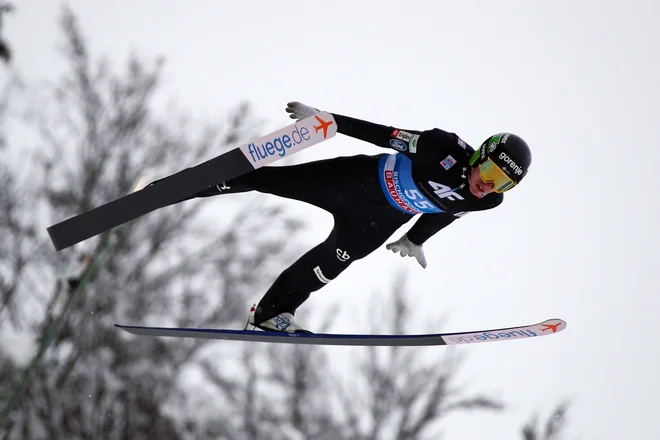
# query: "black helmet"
{"type": "Point", "coordinates": [511, 156]}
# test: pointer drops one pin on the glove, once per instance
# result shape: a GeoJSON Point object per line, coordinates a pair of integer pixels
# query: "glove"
{"type": "Point", "coordinates": [408, 249]}
{"type": "Point", "coordinates": [300, 111]}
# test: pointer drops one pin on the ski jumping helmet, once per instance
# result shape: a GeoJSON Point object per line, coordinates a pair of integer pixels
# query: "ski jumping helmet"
{"type": "Point", "coordinates": [503, 160]}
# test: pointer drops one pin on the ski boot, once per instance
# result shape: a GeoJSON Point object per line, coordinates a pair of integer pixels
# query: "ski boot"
{"type": "Point", "coordinates": [280, 323]}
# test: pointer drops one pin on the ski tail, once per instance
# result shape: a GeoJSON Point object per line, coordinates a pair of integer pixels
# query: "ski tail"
{"type": "Point", "coordinates": [182, 185]}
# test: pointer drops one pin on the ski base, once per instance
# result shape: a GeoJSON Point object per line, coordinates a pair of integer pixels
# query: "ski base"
{"type": "Point", "coordinates": [548, 327]}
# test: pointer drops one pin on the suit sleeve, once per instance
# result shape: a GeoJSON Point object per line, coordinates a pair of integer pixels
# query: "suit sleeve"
{"type": "Point", "coordinates": [428, 225]}
{"type": "Point", "coordinates": [419, 146]}
{"type": "Point", "coordinates": [377, 134]}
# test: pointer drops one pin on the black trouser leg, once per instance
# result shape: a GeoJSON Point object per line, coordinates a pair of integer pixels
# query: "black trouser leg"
{"type": "Point", "coordinates": [354, 236]}
{"type": "Point", "coordinates": [347, 187]}
{"type": "Point", "coordinates": [323, 183]}
{"type": "Point", "coordinates": [308, 182]}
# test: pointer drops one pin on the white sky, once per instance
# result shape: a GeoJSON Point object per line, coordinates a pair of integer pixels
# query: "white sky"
{"type": "Point", "coordinates": [577, 79]}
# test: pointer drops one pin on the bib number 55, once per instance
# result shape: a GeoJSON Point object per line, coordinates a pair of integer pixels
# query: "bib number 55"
{"type": "Point", "coordinates": [413, 194]}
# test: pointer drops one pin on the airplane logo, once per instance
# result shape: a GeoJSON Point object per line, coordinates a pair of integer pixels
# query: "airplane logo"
{"type": "Point", "coordinates": [324, 125]}
{"type": "Point", "coordinates": [552, 327]}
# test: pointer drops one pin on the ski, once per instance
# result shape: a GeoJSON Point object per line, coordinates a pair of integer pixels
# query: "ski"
{"type": "Point", "coordinates": [548, 327]}
{"type": "Point", "coordinates": [171, 189]}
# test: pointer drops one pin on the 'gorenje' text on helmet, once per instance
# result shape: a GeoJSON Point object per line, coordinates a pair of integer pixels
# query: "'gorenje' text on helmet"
{"type": "Point", "coordinates": [509, 152]}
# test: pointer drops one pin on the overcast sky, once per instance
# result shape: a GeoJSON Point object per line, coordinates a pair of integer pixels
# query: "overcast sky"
{"type": "Point", "coordinates": [577, 240]}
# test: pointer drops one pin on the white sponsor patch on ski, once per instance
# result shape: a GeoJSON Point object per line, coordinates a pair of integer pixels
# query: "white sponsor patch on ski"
{"type": "Point", "coordinates": [320, 276]}
{"type": "Point", "coordinates": [291, 139]}
{"type": "Point", "coordinates": [532, 331]}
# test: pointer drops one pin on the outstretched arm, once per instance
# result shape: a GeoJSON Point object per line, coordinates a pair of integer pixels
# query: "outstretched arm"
{"type": "Point", "coordinates": [377, 134]}
{"type": "Point", "coordinates": [411, 243]}
{"type": "Point", "coordinates": [427, 226]}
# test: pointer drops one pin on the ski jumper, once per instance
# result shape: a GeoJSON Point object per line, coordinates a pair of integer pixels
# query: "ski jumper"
{"type": "Point", "coordinates": [369, 197]}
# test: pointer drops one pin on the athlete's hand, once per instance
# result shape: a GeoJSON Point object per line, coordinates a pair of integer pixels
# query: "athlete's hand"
{"type": "Point", "coordinates": [300, 111]}
{"type": "Point", "coordinates": [408, 249]}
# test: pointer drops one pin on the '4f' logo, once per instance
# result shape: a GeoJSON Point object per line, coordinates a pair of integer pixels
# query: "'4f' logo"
{"type": "Point", "coordinates": [444, 192]}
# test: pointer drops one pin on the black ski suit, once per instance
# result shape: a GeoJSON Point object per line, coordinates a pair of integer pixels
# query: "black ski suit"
{"type": "Point", "coordinates": [370, 197]}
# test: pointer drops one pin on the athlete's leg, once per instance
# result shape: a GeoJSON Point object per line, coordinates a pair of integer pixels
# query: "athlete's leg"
{"type": "Point", "coordinates": [328, 184]}
{"type": "Point", "coordinates": [324, 183]}
{"type": "Point", "coordinates": [353, 237]}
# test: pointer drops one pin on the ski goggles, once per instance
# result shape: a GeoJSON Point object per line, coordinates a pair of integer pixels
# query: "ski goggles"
{"type": "Point", "coordinates": [491, 173]}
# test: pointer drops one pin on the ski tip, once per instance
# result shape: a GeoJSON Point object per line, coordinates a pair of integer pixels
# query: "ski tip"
{"type": "Point", "coordinates": [547, 327]}
{"type": "Point", "coordinates": [555, 325]}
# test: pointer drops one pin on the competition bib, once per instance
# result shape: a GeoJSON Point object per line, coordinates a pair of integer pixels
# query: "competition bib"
{"type": "Point", "coordinates": [395, 172]}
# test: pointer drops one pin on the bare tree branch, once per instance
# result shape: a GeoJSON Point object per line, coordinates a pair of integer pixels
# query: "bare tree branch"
{"type": "Point", "coordinates": [99, 133]}
{"type": "Point", "coordinates": [554, 428]}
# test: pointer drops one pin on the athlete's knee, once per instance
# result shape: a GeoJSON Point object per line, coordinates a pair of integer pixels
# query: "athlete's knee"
{"type": "Point", "coordinates": [332, 263]}
{"type": "Point", "coordinates": [316, 268]}
{"type": "Point", "coordinates": [234, 186]}
{"type": "Point", "coordinates": [321, 265]}
{"type": "Point", "coordinates": [213, 190]}
{"type": "Point", "coordinates": [343, 256]}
